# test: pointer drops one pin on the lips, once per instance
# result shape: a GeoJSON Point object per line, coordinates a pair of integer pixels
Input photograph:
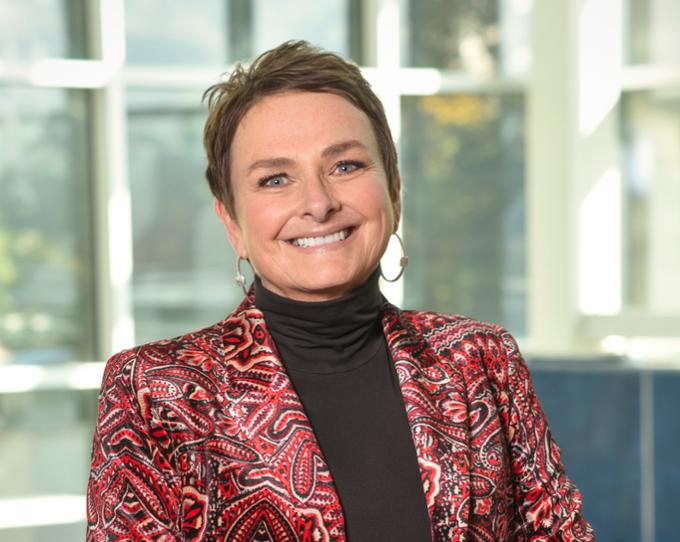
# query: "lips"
{"type": "Point", "coordinates": [306, 242]}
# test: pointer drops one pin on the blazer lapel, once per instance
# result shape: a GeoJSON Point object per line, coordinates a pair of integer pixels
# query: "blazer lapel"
{"type": "Point", "coordinates": [437, 411]}
{"type": "Point", "coordinates": [273, 421]}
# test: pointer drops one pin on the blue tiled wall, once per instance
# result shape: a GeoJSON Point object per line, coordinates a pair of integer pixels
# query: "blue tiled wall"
{"type": "Point", "coordinates": [667, 455]}
{"type": "Point", "coordinates": [595, 417]}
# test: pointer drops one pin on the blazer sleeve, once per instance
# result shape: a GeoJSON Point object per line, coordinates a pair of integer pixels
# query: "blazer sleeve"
{"type": "Point", "coordinates": [548, 502]}
{"type": "Point", "coordinates": [133, 492]}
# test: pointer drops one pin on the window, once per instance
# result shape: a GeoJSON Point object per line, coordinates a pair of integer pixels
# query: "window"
{"type": "Point", "coordinates": [183, 264]}
{"type": "Point", "coordinates": [651, 166]}
{"type": "Point", "coordinates": [35, 29]}
{"type": "Point", "coordinates": [642, 315]}
{"type": "Point", "coordinates": [233, 30]}
{"type": "Point", "coordinates": [463, 167]}
{"type": "Point", "coordinates": [650, 144]}
{"type": "Point", "coordinates": [538, 146]}
{"type": "Point", "coordinates": [46, 276]}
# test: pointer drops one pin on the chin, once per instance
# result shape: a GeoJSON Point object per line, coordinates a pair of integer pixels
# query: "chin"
{"type": "Point", "coordinates": [336, 283]}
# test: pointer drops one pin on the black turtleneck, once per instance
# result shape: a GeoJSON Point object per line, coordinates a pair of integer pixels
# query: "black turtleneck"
{"type": "Point", "coordinates": [337, 359]}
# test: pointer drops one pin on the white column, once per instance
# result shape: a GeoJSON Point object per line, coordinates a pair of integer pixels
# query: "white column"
{"type": "Point", "coordinates": [550, 231]}
{"type": "Point", "coordinates": [112, 209]}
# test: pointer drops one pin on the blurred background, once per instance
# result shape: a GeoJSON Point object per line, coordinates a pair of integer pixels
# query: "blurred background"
{"type": "Point", "coordinates": [540, 152]}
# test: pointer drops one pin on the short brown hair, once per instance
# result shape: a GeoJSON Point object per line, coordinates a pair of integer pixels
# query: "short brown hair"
{"type": "Point", "coordinates": [292, 66]}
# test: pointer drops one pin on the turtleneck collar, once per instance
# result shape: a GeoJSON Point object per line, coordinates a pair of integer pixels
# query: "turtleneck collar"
{"type": "Point", "coordinates": [325, 336]}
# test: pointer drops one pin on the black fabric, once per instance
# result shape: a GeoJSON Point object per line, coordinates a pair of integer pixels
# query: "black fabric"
{"type": "Point", "coordinates": [337, 358]}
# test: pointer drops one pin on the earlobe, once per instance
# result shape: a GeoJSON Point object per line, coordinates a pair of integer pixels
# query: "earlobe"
{"type": "Point", "coordinates": [232, 228]}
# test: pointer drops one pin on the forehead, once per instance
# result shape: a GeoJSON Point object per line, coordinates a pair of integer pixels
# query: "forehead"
{"type": "Point", "coordinates": [309, 118]}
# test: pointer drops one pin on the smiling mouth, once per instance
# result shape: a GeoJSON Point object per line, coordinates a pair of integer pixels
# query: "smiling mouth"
{"type": "Point", "coordinates": [306, 242]}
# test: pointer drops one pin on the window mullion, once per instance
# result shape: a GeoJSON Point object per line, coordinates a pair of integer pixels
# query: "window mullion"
{"type": "Point", "coordinates": [112, 207]}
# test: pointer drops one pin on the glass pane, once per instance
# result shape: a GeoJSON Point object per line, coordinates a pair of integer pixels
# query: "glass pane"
{"type": "Point", "coordinates": [46, 279]}
{"type": "Point", "coordinates": [34, 29]}
{"type": "Point", "coordinates": [324, 23]}
{"type": "Point", "coordinates": [653, 31]}
{"type": "Point", "coordinates": [482, 37]}
{"type": "Point", "coordinates": [191, 32]}
{"type": "Point", "coordinates": [70, 532]}
{"type": "Point", "coordinates": [463, 171]}
{"type": "Point", "coordinates": [216, 32]}
{"type": "Point", "coordinates": [651, 169]}
{"type": "Point", "coordinates": [39, 427]}
{"type": "Point", "coordinates": [183, 264]}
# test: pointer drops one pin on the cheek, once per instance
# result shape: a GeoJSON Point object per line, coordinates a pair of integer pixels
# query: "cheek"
{"type": "Point", "coordinates": [378, 205]}
{"type": "Point", "coordinates": [261, 223]}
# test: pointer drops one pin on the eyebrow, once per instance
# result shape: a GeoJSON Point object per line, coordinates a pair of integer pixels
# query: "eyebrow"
{"type": "Point", "coordinates": [338, 148]}
{"type": "Point", "coordinates": [331, 150]}
{"type": "Point", "coordinates": [269, 163]}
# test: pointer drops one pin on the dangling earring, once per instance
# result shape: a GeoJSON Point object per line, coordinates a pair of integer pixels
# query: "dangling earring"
{"type": "Point", "coordinates": [403, 261]}
{"type": "Point", "coordinates": [240, 278]}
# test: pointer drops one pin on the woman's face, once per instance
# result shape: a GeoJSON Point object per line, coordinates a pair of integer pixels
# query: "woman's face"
{"type": "Point", "coordinates": [313, 211]}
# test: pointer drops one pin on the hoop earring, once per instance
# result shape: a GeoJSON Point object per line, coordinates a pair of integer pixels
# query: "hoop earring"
{"type": "Point", "coordinates": [403, 261]}
{"type": "Point", "coordinates": [240, 278]}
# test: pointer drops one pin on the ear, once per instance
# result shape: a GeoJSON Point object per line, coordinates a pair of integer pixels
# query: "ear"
{"type": "Point", "coordinates": [232, 228]}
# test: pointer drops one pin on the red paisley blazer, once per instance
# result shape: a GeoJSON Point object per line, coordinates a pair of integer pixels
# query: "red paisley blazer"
{"type": "Point", "coordinates": [203, 438]}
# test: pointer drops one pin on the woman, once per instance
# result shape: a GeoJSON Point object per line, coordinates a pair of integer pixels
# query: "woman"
{"type": "Point", "coordinates": [317, 411]}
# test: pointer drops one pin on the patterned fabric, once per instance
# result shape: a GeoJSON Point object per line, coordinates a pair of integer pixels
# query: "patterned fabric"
{"type": "Point", "coordinates": [203, 438]}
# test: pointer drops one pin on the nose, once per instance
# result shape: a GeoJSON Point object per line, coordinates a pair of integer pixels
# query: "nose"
{"type": "Point", "coordinates": [319, 202]}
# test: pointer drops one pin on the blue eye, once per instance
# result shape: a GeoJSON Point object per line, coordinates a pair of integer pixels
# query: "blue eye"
{"type": "Point", "coordinates": [273, 180]}
{"type": "Point", "coordinates": [348, 166]}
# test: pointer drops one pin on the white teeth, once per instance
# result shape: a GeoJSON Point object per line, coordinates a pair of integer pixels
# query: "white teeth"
{"type": "Point", "coordinates": [306, 242]}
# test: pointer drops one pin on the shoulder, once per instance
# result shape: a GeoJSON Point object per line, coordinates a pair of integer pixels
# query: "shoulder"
{"type": "Point", "coordinates": [472, 345]}
{"type": "Point", "coordinates": [198, 352]}
{"type": "Point", "coordinates": [453, 328]}
{"type": "Point", "coordinates": [441, 322]}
